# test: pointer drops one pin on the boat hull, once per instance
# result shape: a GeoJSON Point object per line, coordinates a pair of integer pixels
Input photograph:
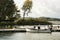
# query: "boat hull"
{"type": "Point", "coordinates": [38, 31]}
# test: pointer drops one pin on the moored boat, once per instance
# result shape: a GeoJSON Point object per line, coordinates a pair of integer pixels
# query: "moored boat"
{"type": "Point", "coordinates": [39, 30]}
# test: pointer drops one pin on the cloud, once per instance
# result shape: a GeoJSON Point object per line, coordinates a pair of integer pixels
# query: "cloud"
{"type": "Point", "coordinates": [47, 8]}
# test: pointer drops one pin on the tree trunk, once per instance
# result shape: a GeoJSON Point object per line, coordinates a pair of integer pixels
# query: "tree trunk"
{"type": "Point", "coordinates": [23, 17]}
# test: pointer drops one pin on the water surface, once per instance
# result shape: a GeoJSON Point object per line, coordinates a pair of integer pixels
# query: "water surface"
{"type": "Point", "coordinates": [30, 36]}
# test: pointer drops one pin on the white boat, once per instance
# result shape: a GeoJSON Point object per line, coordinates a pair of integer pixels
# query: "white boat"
{"type": "Point", "coordinates": [33, 30]}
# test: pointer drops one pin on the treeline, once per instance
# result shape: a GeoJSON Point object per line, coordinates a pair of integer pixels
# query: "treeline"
{"type": "Point", "coordinates": [33, 21]}
{"type": "Point", "coordinates": [30, 21]}
{"type": "Point", "coordinates": [50, 19]}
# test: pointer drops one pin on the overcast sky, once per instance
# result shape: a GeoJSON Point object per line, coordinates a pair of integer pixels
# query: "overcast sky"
{"type": "Point", "coordinates": [42, 8]}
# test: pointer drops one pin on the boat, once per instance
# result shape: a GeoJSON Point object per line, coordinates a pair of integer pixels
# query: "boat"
{"type": "Point", "coordinates": [34, 30]}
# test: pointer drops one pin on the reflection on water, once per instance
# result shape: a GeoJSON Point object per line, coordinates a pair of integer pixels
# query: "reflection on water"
{"type": "Point", "coordinates": [30, 36]}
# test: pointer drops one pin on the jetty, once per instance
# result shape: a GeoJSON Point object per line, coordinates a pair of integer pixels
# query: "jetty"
{"type": "Point", "coordinates": [12, 30]}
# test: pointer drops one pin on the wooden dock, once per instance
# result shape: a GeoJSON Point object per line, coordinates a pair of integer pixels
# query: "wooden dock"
{"type": "Point", "coordinates": [12, 30]}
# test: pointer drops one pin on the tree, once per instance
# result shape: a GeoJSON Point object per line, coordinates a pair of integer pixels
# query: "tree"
{"type": "Point", "coordinates": [27, 7]}
{"type": "Point", "coordinates": [7, 8]}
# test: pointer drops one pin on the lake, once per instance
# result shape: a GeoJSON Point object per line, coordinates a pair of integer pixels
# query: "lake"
{"type": "Point", "coordinates": [30, 36]}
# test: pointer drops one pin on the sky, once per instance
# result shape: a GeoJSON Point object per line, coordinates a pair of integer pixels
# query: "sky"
{"type": "Point", "coordinates": [42, 8]}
